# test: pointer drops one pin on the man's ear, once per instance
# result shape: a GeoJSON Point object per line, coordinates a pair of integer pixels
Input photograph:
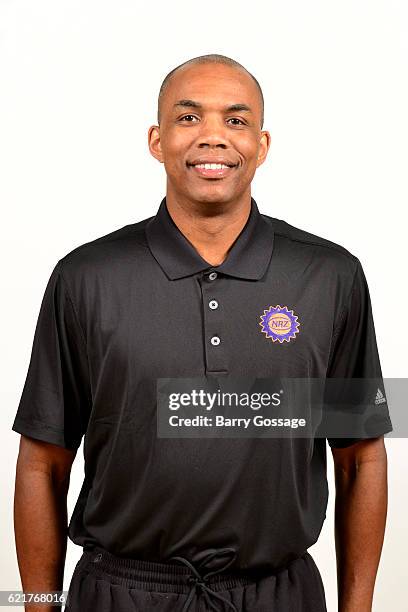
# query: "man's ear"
{"type": "Point", "coordinates": [263, 147]}
{"type": "Point", "coordinates": [153, 139]}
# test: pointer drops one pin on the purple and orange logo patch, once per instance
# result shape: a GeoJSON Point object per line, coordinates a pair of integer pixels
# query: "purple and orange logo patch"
{"type": "Point", "coordinates": [279, 324]}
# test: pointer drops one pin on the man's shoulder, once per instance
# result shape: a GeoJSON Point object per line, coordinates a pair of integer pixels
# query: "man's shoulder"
{"type": "Point", "coordinates": [110, 249]}
{"type": "Point", "coordinates": [303, 242]}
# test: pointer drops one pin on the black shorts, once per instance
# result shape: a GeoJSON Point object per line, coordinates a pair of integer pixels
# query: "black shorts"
{"type": "Point", "coordinates": [102, 582]}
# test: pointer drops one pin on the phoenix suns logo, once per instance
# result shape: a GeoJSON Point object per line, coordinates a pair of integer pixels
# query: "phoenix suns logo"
{"type": "Point", "coordinates": [279, 324]}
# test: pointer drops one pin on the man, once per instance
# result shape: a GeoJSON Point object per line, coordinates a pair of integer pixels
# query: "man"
{"type": "Point", "coordinates": [207, 288]}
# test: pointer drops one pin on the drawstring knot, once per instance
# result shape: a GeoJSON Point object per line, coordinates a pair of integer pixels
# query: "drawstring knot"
{"type": "Point", "coordinates": [195, 580]}
{"type": "Point", "coordinates": [199, 582]}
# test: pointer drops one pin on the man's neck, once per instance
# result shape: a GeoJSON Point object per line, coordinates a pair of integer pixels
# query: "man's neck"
{"type": "Point", "coordinates": [210, 227]}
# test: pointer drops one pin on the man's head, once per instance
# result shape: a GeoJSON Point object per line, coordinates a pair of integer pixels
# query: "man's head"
{"type": "Point", "coordinates": [210, 110]}
{"type": "Point", "coordinates": [212, 58]}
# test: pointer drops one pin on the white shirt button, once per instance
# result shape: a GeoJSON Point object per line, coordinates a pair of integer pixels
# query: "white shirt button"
{"type": "Point", "coordinates": [213, 304]}
{"type": "Point", "coordinates": [215, 340]}
{"type": "Point", "coordinates": [212, 276]}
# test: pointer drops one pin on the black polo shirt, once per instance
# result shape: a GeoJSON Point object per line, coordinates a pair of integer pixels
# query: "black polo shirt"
{"type": "Point", "coordinates": [140, 304]}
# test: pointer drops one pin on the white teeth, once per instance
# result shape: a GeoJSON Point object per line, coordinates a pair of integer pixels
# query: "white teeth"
{"type": "Point", "coordinates": [211, 166]}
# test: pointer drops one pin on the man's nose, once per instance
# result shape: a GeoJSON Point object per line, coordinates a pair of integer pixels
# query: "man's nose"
{"type": "Point", "coordinates": [213, 133]}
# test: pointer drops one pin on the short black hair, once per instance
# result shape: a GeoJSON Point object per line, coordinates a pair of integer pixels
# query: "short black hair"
{"type": "Point", "coordinates": [212, 58]}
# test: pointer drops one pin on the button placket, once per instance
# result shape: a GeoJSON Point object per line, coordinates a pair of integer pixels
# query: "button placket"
{"type": "Point", "coordinates": [211, 288]}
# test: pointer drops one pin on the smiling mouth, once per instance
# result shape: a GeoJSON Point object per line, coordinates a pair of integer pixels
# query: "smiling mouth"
{"type": "Point", "coordinates": [212, 170]}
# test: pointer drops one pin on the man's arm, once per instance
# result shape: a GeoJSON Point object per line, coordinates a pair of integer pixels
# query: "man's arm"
{"type": "Point", "coordinates": [40, 515]}
{"type": "Point", "coordinates": [360, 516]}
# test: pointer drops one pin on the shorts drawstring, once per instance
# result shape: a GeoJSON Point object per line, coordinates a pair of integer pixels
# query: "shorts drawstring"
{"type": "Point", "coordinates": [198, 581]}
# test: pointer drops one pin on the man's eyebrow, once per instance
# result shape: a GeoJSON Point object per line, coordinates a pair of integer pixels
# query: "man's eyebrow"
{"type": "Point", "coordinates": [194, 104]}
{"type": "Point", "coordinates": [190, 103]}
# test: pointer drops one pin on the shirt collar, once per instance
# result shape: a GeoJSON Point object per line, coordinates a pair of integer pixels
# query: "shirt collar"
{"type": "Point", "coordinates": [248, 257]}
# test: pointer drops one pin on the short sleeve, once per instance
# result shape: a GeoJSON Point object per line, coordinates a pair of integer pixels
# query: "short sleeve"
{"type": "Point", "coordinates": [354, 355]}
{"type": "Point", "coordinates": [56, 398]}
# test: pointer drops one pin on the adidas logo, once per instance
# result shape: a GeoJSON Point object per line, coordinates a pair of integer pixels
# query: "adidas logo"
{"type": "Point", "coordinates": [379, 398]}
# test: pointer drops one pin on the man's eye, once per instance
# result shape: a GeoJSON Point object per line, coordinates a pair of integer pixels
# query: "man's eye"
{"type": "Point", "coordinates": [236, 119]}
{"type": "Point", "coordinates": [187, 116]}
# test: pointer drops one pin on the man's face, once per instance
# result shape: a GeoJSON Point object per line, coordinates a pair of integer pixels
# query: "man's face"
{"type": "Point", "coordinates": [197, 127]}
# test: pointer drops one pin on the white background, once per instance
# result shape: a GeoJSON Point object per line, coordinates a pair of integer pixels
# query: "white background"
{"type": "Point", "coordinates": [79, 84]}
